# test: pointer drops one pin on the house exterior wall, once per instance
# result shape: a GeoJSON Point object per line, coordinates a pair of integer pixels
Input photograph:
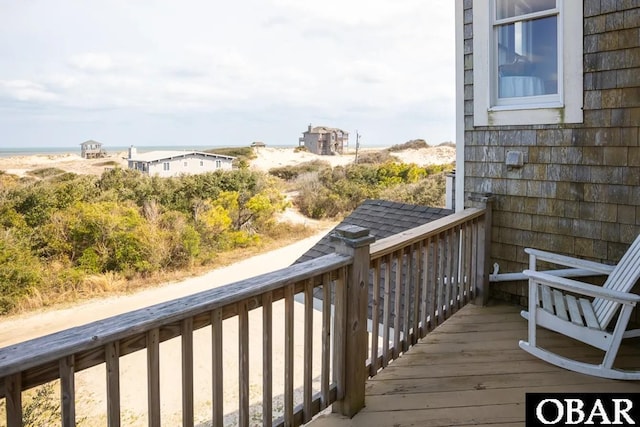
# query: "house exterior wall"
{"type": "Point", "coordinates": [578, 192]}
{"type": "Point", "coordinates": [188, 165]}
{"type": "Point", "coordinates": [326, 142]}
{"type": "Point", "coordinates": [312, 142]}
{"type": "Point", "coordinates": [91, 150]}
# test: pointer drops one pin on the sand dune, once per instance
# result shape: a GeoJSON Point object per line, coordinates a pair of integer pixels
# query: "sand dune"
{"type": "Point", "coordinates": [266, 158]}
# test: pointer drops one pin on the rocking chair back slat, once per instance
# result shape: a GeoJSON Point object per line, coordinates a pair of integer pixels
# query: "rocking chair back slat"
{"type": "Point", "coordinates": [623, 278]}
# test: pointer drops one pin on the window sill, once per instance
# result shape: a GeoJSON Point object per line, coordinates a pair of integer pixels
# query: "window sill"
{"type": "Point", "coordinates": [528, 115]}
{"type": "Point", "coordinates": [536, 106]}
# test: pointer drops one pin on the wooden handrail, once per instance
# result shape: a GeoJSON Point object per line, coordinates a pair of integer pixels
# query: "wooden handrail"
{"type": "Point", "coordinates": [40, 351]}
{"type": "Point", "coordinates": [390, 244]}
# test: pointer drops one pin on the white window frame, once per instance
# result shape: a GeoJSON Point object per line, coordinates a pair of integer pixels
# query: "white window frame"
{"type": "Point", "coordinates": [566, 107]}
{"type": "Point", "coordinates": [166, 166]}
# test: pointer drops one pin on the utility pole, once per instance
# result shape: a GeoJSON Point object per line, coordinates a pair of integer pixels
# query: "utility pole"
{"type": "Point", "coordinates": [357, 146]}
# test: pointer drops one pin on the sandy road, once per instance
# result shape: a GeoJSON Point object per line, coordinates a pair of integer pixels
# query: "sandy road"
{"type": "Point", "coordinates": [24, 327]}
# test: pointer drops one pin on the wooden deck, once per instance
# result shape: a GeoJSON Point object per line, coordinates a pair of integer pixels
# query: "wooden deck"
{"type": "Point", "coordinates": [470, 371]}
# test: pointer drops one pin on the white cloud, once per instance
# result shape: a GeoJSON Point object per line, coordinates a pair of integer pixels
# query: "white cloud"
{"type": "Point", "coordinates": [25, 90]}
{"type": "Point", "coordinates": [92, 62]}
{"type": "Point", "coordinates": [334, 59]}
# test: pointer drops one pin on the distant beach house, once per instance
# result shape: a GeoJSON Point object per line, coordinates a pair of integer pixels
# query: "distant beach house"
{"type": "Point", "coordinates": [174, 163]}
{"type": "Point", "coordinates": [324, 140]}
{"type": "Point", "coordinates": [92, 150]}
{"type": "Point", "coordinates": [258, 144]}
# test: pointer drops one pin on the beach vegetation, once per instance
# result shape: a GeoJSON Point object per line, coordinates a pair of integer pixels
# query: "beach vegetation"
{"type": "Point", "coordinates": [65, 236]}
{"type": "Point", "coordinates": [60, 233]}
{"type": "Point", "coordinates": [292, 172]}
{"type": "Point", "coordinates": [334, 192]}
{"type": "Point", "coordinates": [414, 144]}
{"type": "Point", "coordinates": [243, 155]}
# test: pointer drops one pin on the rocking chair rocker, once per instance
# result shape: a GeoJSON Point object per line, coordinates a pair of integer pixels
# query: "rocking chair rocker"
{"type": "Point", "coordinates": [552, 305]}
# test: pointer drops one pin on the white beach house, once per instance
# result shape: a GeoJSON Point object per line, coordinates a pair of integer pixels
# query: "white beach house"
{"type": "Point", "coordinates": [174, 163]}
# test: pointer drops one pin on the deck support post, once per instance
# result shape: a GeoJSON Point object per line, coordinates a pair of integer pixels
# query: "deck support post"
{"type": "Point", "coordinates": [351, 319]}
{"type": "Point", "coordinates": [483, 249]}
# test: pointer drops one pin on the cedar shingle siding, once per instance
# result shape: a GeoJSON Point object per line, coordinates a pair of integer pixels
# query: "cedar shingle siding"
{"type": "Point", "coordinates": [578, 192]}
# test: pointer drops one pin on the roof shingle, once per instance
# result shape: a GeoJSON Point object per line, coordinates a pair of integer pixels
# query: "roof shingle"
{"type": "Point", "coordinates": [383, 218]}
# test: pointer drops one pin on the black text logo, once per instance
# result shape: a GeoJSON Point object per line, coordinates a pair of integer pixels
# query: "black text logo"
{"type": "Point", "coordinates": [582, 409]}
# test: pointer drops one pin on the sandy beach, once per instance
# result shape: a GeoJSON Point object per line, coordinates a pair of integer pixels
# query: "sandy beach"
{"type": "Point", "coordinates": [91, 383]}
{"type": "Point", "coordinates": [266, 158]}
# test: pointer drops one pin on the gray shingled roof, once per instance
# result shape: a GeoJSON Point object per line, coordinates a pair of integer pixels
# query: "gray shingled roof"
{"type": "Point", "coordinates": [383, 218]}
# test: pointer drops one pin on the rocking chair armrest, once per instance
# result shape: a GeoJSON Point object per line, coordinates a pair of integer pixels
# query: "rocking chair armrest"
{"type": "Point", "coordinates": [568, 261]}
{"type": "Point", "coordinates": [582, 288]}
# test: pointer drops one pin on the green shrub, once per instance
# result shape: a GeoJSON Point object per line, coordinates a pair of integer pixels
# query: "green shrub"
{"type": "Point", "coordinates": [42, 407]}
{"type": "Point", "coordinates": [46, 172]}
{"type": "Point", "coordinates": [334, 192]}
{"type": "Point", "coordinates": [20, 270]}
{"type": "Point", "coordinates": [429, 191]}
{"type": "Point", "coordinates": [414, 144]}
{"type": "Point", "coordinates": [243, 155]}
{"type": "Point", "coordinates": [375, 157]}
{"type": "Point", "coordinates": [289, 173]}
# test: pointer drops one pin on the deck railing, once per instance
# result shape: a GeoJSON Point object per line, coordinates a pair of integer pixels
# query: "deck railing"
{"type": "Point", "coordinates": [402, 286]}
{"type": "Point", "coordinates": [424, 275]}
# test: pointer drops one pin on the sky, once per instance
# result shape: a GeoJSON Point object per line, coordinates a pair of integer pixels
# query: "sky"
{"type": "Point", "coordinates": [208, 72]}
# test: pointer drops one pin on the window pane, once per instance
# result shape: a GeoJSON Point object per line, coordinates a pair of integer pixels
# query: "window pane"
{"type": "Point", "coordinates": [511, 8]}
{"type": "Point", "coordinates": [528, 58]}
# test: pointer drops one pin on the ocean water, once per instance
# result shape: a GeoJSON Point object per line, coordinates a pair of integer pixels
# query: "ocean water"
{"type": "Point", "coordinates": [32, 151]}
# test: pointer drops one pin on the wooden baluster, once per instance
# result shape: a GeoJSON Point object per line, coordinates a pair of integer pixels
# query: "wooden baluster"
{"type": "Point", "coordinates": [448, 272]}
{"type": "Point", "coordinates": [339, 332]}
{"type": "Point", "coordinates": [326, 339]}
{"type": "Point", "coordinates": [216, 367]}
{"type": "Point", "coordinates": [397, 298]}
{"type": "Point", "coordinates": [375, 320]}
{"type": "Point", "coordinates": [468, 251]}
{"type": "Point", "coordinates": [68, 391]}
{"type": "Point", "coordinates": [415, 280]}
{"type": "Point", "coordinates": [453, 261]}
{"type": "Point", "coordinates": [288, 355]}
{"type": "Point", "coordinates": [386, 311]}
{"type": "Point", "coordinates": [267, 359]}
{"type": "Point", "coordinates": [424, 257]}
{"type": "Point", "coordinates": [456, 269]}
{"type": "Point", "coordinates": [112, 359]}
{"type": "Point", "coordinates": [153, 376]}
{"type": "Point", "coordinates": [307, 389]}
{"type": "Point", "coordinates": [406, 295]}
{"type": "Point", "coordinates": [243, 363]}
{"type": "Point", "coordinates": [432, 285]}
{"type": "Point", "coordinates": [187, 371]}
{"type": "Point", "coordinates": [473, 277]}
{"type": "Point", "coordinates": [13, 389]}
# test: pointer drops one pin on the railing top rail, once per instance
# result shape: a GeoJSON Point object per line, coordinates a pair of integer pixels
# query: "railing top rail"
{"type": "Point", "coordinates": [392, 243]}
{"type": "Point", "coordinates": [38, 351]}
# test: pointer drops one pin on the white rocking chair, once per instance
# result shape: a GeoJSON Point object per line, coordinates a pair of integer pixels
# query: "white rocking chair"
{"type": "Point", "coordinates": [552, 305]}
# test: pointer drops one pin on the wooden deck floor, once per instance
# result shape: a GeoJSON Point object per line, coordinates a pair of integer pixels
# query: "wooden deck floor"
{"type": "Point", "coordinates": [470, 371]}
